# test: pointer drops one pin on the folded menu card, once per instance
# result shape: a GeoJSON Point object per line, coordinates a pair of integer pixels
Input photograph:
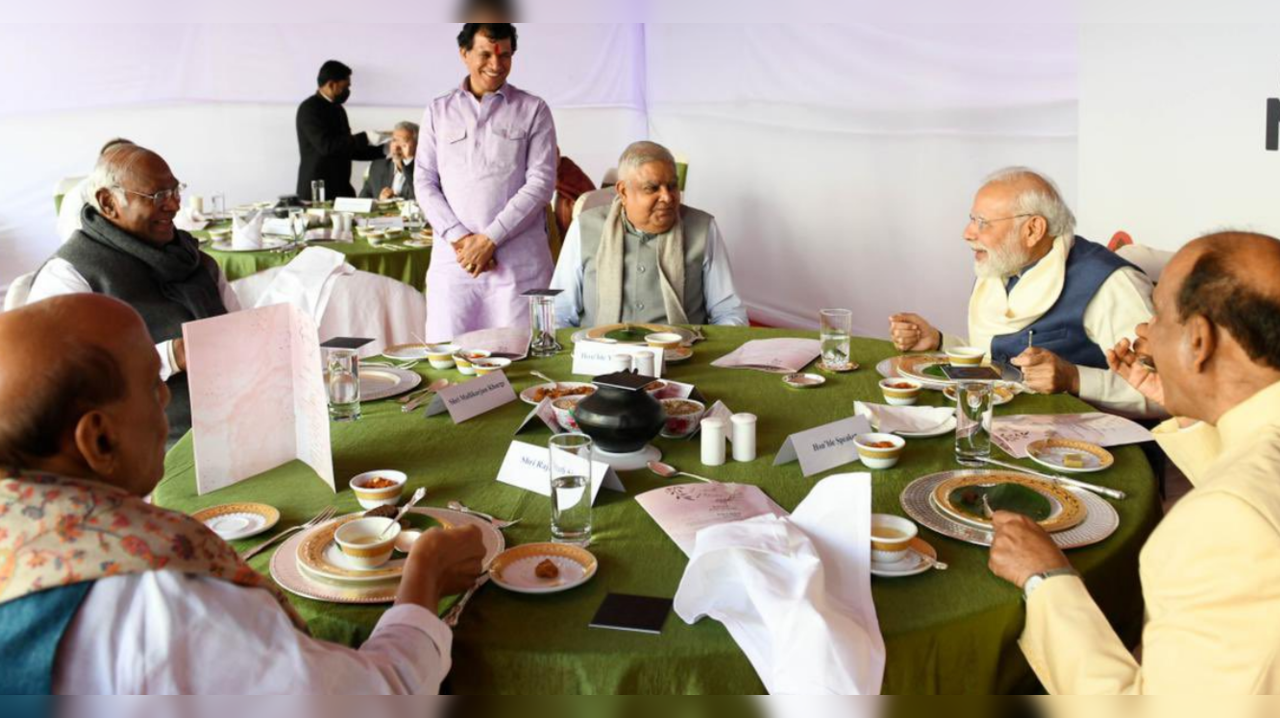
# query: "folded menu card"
{"type": "Point", "coordinates": [1015, 433]}
{"type": "Point", "coordinates": [257, 395]}
{"type": "Point", "coordinates": [684, 510]}
{"type": "Point", "coordinates": [777, 356]}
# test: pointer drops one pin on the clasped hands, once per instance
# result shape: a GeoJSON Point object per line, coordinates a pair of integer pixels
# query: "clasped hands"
{"type": "Point", "coordinates": [475, 254]}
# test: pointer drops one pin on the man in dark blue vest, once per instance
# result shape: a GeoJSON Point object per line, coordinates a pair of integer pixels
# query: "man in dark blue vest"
{"type": "Point", "coordinates": [1046, 301]}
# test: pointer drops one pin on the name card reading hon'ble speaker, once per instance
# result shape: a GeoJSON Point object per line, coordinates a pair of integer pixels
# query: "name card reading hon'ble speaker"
{"type": "Point", "coordinates": [824, 447]}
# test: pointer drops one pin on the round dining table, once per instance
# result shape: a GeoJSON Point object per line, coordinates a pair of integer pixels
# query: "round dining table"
{"type": "Point", "coordinates": [946, 632]}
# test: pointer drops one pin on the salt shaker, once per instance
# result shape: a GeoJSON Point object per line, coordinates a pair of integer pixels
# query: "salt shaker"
{"type": "Point", "coordinates": [645, 363]}
{"type": "Point", "coordinates": [744, 437]}
{"type": "Point", "coordinates": [713, 442]}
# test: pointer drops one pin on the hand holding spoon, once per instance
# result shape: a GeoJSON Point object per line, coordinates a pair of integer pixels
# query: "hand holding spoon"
{"type": "Point", "coordinates": [667, 471]}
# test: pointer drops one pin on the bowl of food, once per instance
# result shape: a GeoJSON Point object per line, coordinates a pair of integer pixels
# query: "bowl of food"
{"type": "Point", "coordinates": [367, 543]}
{"type": "Point", "coordinates": [966, 356]}
{"type": "Point", "coordinates": [656, 388]}
{"type": "Point", "coordinates": [465, 358]}
{"type": "Point", "coordinates": [564, 408]}
{"type": "Point", "coordinates": [664, 340]}
{"type": "Point", "coordinates": [440, 356]}
{"type": "Point", "coordinates": [880, 451]}
{"type": "Point", "coordinates": [901, 392]}
{"type": "Point", "coordinates": [683, 416]}
{"type": "Point", "coordinates": [487, 366]}
{"type": "Point", "coordinates": [379, 488]}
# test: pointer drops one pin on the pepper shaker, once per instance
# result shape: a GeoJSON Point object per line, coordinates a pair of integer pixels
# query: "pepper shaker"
{"type": "Point", "coordinates": [713, 442]}
{"type": "Point", "coordinates": [744, 437]}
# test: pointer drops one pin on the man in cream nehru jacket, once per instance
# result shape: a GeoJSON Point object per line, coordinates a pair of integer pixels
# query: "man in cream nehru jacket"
{"type": "Point", "coordinates": [1211, 571]}
{"type": "Point", "coordinates": [1046, 301]}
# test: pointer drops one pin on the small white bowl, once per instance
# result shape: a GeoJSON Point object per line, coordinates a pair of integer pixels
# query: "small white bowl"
{"type": "Point", "coordinates": [966, 356]}
{"type": "Point", "coordinates": [464, 358]}
{"type": "Point", "coordinates": [891, 536]}
{"type": "Point", "coordinates": [485, 367]}
{"type": "Point", "coordinates": [896, 396]}
{"type": "Point", "coordinates": [664, 340]}
{"type": "Point", "coordinates": [679, 426]}
{"type": "Point", "coordinates": [373, 498]}
{"type": "Point", "coordinates": [564, 407]}
{"type": "Point", "coordinates": [879, 458]}
{"type": "Point", "coordinates": [440, 356]}
{"type": "Point", "coordinates": [363, 543]}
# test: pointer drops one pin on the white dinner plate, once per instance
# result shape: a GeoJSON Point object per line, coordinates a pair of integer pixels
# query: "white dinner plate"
{"type": "Point", "coordinates": [527, 395]}
{"type": "Point", "coordinates": [384, 382]}
{"type": "Point", "coordinates": [516, 569]}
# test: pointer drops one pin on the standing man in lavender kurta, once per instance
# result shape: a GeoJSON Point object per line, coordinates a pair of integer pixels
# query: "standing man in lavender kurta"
{"type": "Point", "coordinates": [486, 172]}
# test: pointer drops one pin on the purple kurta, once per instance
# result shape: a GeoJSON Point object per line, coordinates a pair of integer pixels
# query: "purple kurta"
{"type": "Point", "coordinates": [486, 167]}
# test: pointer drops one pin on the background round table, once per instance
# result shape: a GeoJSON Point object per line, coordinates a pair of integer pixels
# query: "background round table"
{"type": "Point", "coordinates": [946, 632]}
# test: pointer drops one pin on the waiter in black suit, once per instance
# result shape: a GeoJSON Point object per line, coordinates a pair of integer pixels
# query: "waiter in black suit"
{"type": "Point", "coordinates": [325, 141]}
{"type": "Point", "coordinates": [392, 178]}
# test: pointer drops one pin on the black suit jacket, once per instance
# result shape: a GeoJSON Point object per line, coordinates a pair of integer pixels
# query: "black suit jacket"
{"type": "Point", "coordinates": [327, 148]}
{"type": "Point", "coordinates": [382, 173]}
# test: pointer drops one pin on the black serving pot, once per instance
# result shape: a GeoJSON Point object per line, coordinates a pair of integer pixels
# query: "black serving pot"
{"type": "Point", "coordinates": [619, 420]}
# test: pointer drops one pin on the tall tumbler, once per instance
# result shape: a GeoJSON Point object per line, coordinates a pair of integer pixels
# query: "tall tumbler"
{"type": "Point", "coordinates": [542, 323]}
{"type": "Point", "coordinates": [974, 409]}
{"type": "Point", "coordinates": [571, 489]}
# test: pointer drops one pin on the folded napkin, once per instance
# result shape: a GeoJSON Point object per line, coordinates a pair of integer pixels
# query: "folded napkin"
{"type": "Point", "coordinates": [246, 230]}
{"type": "Point", "coordinates": [188, 219]}
{"type": "Point", "coordinates": [777, 356]}
{"type": "Point", "coordinates": [911, 419]}
{"type": "Point", "coordinates": [307, 281]}
{"type": "Point", "coordinates": [795, 593]}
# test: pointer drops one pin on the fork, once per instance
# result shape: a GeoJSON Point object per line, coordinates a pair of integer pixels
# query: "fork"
{"type": "Point", "coordinates": [320, 518]}
{"type": "Point", "coordinates": [497, 522]}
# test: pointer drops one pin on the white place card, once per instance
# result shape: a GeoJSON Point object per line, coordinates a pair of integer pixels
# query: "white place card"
{"type": "Point", "coordinates": [353, 204]}
{"type": "Point", "coordinates": [257, 395]}
{"type": "Point", "coordinates": [471, 399]}
{"type": "Point", "coordinates": [546, 414]}
{"type": "Point", "coordinates": [685, 509]}
{"type": "Point", "coordinates": [596, 358]}
{"type": "Point", "coordinates": [529, 467]}
{"type": "Point", "coordinates": [824, 447]}
{"type": "Point", "coordinates": [381, 223]}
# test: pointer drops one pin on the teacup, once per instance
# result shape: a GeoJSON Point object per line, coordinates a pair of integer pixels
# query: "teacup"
{"type": "Point", "coordinates": [901, 392]}
{"type": "Point", "coordinates": [564, 408]}
{"type": "Point", "coordinates": [891, 538]}
{"type": "Point", "coordinates": [664, 340]}
{"type": "Point", "coordinates": [375, 237]}
{"type": "Point", "coordinates": [371, 498]}
{"type": "Point", "coordinates": [465, 358]}
{"type": "Point", "coordinates": [966, 356]}
{"type": "Point", "coordinates": [440, 356]}
{"type": "Point", "coordinates": [364, 542]}
{"type": "Point", "coordinates": [879, 451]}
{"type": "Point", "coordinates": [487, 366]}
{"type": "Point", "coordinates": [683, 417]}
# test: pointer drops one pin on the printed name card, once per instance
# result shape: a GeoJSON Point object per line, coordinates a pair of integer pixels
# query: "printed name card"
{"type": "Point", "coordinates": [825, 447]}
{"type": "Point", "coordinates": [382, 223]}
{"type": "Point", "coordinates": [596, 358]}
{"type": "Point", "coordinates": [353, 204]}
{"type": "Point", "coordinates": [528, 467]}
{"type": "Point", "coordinates": [546, 414]}
{"type": "Point", "coordinates": [473, 398]}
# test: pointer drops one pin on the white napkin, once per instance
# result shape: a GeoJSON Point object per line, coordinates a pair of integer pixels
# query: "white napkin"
{"type": "Point", "coordinates": [795, 593]}
{"type": "Point", "coordinates": [188, 219]}
{"type": "Point", "coordinates": [246, 231]}
{"type": "Point", "coordinates": [911, 419]}
{"type": "Point", "coordinates": [778, 356]}
{"type": "Point", "coordinates": [307, 281]}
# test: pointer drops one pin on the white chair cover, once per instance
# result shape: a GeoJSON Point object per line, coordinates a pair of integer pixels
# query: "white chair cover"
{"type": "Point", "coordinates": [1149, 260]}
{"type": "Point", "coordinates": [16, 295]}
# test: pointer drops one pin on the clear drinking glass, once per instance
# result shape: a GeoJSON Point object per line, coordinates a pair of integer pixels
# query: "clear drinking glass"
{"type": "Point", "coordinates": [217, 205]}
{"type": "Point", "coordinates": [974, 409]}
{"type": "Point", "coordinates": [542, 323]}
{"type": "Point", "coordinates": [837, 328]}
{"type": "Point", "coordinates": [317, 192]}
{"type": "Point", "coordinates": [412, 214]}
{"type": "Point", "coordinates": [298, 223]}
{"type": "Point", "coordinates": [571, 489]}
{"type": "Point", "coordinates": [342, 380]}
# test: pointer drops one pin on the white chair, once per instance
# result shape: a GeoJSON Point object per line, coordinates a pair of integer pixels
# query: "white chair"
{"type": "Point", "coordinates": [61, 188]}
{"type": "Point", "coordinates": [19, 290]}
{"type": "Point", "coordinates": [1149, 260]}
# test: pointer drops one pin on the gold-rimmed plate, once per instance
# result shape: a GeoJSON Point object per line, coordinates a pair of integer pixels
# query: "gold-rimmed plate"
{"type": "Point", "coordinates": [233, 522]}
{"type": "Point", "coordinates": [384, 382]}
{"type": "Point", "coordinates": [1076, 457]}
{"type": "Point", "coordinates": [407, 352]}
{"type": "Point", "coordinates": [1066, 510]}
{"type": "Point", "coordinates": [517, 569]}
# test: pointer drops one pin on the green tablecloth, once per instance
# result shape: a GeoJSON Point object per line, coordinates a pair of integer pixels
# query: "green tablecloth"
{"type": "Point", "coordinates": [407, 265]}
{"type": "Point", "coordinates": [946, 632]}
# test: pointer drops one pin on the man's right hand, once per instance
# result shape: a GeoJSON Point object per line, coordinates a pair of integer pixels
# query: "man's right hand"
{"type": "Point", "coordinates": [911, 333]}
{"type": "Point", "coordinates": [1123, 360]}
{"type": "Point", "coordinates": [387, 193]}
{"type": "Point", "coordinates": [442, 562]}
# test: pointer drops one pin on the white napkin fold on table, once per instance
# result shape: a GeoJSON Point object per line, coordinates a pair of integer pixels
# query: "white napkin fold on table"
{"type": "Point", "coordinates": [307, 281]}
{"type": "Point", "coordinates": [795, 593]}
{"type": "Point", "coordinates": [246, 231]}
{"type": "Point", "coordinates": [911, 419]}
{"type": "Point", "coordinates": [188, 219]}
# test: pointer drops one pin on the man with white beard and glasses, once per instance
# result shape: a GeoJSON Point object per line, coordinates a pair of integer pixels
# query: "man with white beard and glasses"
{"type": "Point", "coordinates": [1045, 300]}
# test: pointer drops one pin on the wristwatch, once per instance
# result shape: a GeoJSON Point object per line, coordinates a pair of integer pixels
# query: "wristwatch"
{"type": "Point", "coordinates": [1035, 581]}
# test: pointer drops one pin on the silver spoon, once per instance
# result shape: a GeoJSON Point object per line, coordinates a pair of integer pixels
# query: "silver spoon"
{"type": "Point", "coordinates": [418, 495]}
{"type": "Point", "coordinates": [667, 471]}
{"type": "Point", "coordinates": [436, 386]}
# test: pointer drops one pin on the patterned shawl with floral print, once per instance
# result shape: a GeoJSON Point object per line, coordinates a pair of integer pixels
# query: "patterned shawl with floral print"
{"type": "Point", "coordinates": [56, 531]}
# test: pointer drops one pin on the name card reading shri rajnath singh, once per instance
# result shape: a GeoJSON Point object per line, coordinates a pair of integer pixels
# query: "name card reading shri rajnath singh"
{"type": "Point", "coordinates": [824, 447]}
{"type": "Point", "coordinates": [473, 398]}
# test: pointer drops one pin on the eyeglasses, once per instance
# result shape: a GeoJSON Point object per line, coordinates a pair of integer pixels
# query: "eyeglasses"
{"type": "Point", "coordinates": [983, 222]}
{"type": "Point", "coordinates": [161, 197]}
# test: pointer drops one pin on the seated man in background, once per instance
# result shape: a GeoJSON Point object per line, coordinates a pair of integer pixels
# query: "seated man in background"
{"type": "Point", "coordinates": [392, 178]}
{"type": "Point", "coordinates": [129, 248]}
{"type": "Point", "coordinates": [1045, 301]}
{"type": "Point", "coordinates": [73, 202]}
{"type": "Point", "coordinates": [1211, 570]}
{"type": "Point", "coordinates": [107, 594]}
{"type": "Point", "coordinates": [646, 258]}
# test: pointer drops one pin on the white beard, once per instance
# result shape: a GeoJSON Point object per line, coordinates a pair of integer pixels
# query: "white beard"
{"type": "Point", "coordinates": [1004, 260]}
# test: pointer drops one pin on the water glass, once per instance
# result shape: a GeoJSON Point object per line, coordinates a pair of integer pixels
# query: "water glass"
{"type": "Point", "coordinates": [542, 323]}
{"type": "Point", "coordinates": [298, 223]}
{"type": "Point", "coordinates": [412, 214]}
{"type": "Point", "coordinates": [342, 381]}
{"type": "Point", "coordinates": [571, 489]}
{"type": "Point", "coordinates": [218, 205]}
{"type": "Point", "coordinates": [317, 192]}
{"type": "Point", "coordinates": [974, 410]}
{"type": "Point", "coordinates": [837, 329]}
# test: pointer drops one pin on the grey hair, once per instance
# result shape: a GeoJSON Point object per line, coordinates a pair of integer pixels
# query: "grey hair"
{"type": "Point", "coordinates": [639, 154]}
{"type": "Point", "coordinates": [1043, 199]}
{"type": "Point", "coordinates": [114, 166]}
{"type": "Point", "coordinates": [410, 127]}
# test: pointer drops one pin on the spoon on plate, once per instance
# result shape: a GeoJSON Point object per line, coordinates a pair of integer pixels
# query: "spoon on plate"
{"type": "Point", "coordinates": [667, 471]}
{"type": "Point", "coordinates": [418, 495]}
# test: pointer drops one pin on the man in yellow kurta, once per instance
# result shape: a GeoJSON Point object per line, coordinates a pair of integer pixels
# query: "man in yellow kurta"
{"type": "Point", "coordinates": [1045, 300]}
{"type": "Point", "coordinates": [1211, 571]}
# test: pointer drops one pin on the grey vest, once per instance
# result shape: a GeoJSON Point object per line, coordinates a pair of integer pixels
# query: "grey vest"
{"type": "Point", "coordinates": [641, 284]}
{"type": "Point", "coordinates": [128, 279]}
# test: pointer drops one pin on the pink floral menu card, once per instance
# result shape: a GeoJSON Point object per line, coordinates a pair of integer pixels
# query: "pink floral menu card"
{"type": "Point", "coordinates": [684, 510]}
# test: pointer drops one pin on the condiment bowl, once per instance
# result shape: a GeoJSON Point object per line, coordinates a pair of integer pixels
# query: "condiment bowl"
{"type": "Point", "coordinates": [683, 417]}
{"type": "Point", "coordinates": [371, 498]}
{"type": "Point", "coordinates": [465, 358]}
{"type": "Point", "coordinates": [485, 367]}
{"type": "Point", "coordinates": [875, 454]}
{"type": "Point", "coordinates": [364, 542]}
{"type": "Point", "coordinates": [901, 392]}
{"type": "Point", "coordinates": [564, 408]}
{"type": "Point", "coordinates": [440, 356]}
{"type": "Point", "coordinates": [664, 340]}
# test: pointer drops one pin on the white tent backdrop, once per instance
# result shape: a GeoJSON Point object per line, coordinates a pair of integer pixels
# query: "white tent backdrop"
{"type": "Point", "coordinates": [839, 159]}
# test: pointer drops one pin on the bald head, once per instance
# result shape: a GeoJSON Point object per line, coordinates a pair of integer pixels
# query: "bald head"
{"type": "Point", "coordinates": [134, 189]}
